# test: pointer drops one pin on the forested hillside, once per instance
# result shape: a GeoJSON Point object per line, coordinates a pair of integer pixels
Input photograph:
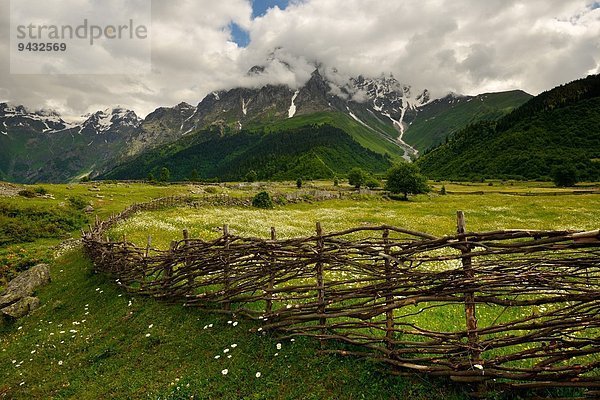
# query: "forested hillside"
{"type": "Point", "coordinates": [557, 129]}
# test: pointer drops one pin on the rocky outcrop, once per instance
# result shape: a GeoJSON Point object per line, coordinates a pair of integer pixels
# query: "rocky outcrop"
{"type": "Point", "coordinates": [22, 307]}
{"type": "Point", "coordinates": [17, 300]}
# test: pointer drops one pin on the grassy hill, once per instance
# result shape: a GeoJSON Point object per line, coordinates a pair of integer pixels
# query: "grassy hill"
{"type": "Point", "coordinates": [558, 128]}
{"type": "Point", "coordinates": [439, 119]}
{"type": "Point", "coordinates": [286, 150]}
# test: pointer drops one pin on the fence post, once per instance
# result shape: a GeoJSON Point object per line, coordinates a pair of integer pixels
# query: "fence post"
{"type": "Point", "coordinates": [389, 314]}
{"type": "Point", "coordinates": [226, 272]}
{"type": "Point", "coordinates": [148, 245]}
{"type": "Point", "coordinates": [470, 315]}
{"type": "Point", "coordinates": [320, 282]}
{"type": "Point", "coordinates": [271, 283]}
{"type": "Point", "coordinates": [169, 268]}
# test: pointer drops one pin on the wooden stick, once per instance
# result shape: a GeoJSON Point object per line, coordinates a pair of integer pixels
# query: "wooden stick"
{"type": "Point", "coordinates": [389, 315]}
{"type": "Point", "coordinates": [470, 314]}
{"type": "Point", "coordinates": [320, 281]}
{"type": "Point", "coordinates": [271, 284]}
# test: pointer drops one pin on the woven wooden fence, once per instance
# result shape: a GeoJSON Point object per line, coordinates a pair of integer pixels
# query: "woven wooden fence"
{"type": "Point", "coordinates": [516, 308]}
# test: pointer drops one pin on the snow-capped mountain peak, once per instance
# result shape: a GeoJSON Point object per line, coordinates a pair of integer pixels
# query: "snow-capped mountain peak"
{"type": "Point", "coordinates": [19, 117]}
{"type": "Point", "coordinates": [111, 119]}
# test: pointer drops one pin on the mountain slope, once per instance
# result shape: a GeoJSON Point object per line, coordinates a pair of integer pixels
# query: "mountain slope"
{"type": "Point", "coordinates": [437, 120]}
{"type": "Point", "coordinates": [313, 151]}
{"type": "Point", "coordinates": [42, 147]}
{"type": "Point", "coordinates": [557, 128]}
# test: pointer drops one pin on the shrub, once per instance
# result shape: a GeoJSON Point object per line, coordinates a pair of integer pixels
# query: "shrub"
{"type": "Point", "coordinates": [77, 202]}
{"type": "Point", "coordinates": [194, 176]}
{"type": "Point", "coordinates": [262, 200]}
{"type": "Point", "coordinates": [443, 190]}
{"type": "Point", "coordinates": [372, 183]}
{"type": "Point", "coordinates": [336, 181]}
{"type": "Point", "coordinates": [28, 193]}
{"type": "Point", "coordinates": [25, 224]}
{"type": "Point", "coordinates": [565, 176]}
{"type": "Point", "coordinates": [251, 176]}
{"type": "Point", "coordinates": [165, 175]}
{"type": "Point", "coordinates": [40, 190]}
{"type": "Point", "coordinates": [299, 183]}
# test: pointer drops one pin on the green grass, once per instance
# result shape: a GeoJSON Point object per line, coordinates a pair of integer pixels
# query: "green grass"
{"type": "Point", "coordinates": [111, 356]}
{"type": "Point", "coordinates": [432, 214]}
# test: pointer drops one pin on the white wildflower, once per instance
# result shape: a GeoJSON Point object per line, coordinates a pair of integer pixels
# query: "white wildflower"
{"type": "Point", "coordinates": [225, 371]}
{"type": "Point", "coordinates": [258, 375]}
{"type": "Point", "coordinates": [278, 346]}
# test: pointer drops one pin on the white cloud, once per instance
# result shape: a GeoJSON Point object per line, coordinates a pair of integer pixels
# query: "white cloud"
{"type": "Point", "coordinates": [465, 46]}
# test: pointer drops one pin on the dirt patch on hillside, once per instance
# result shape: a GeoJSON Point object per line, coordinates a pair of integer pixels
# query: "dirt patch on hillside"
{"type": "Point", "coordinates": [9, 190]}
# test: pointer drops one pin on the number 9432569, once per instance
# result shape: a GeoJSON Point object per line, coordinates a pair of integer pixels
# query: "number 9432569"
{"type": "Point", "coordinates": [41, 46]}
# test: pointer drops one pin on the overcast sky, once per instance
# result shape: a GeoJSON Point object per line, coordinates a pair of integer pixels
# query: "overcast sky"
{"type": "Point", "coordinates": [464, 46]}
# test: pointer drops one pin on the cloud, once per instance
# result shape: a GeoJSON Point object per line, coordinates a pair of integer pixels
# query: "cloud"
{"type": "Point", "coordinates": [465, 46]}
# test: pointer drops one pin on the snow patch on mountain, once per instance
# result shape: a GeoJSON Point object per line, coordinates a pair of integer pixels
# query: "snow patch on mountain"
{"type": "Point", "coordinates": [292, 109]}
{"type": "Point", "coordinates": [244, 107]}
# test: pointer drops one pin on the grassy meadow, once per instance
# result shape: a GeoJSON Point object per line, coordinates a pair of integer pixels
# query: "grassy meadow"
{"type": "Point", "coordinates": [432, 213]}
{"type": "Point", "coordinates": [91, 340]}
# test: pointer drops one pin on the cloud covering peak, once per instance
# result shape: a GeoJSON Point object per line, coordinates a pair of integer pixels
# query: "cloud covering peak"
{"type": "Point", "coordinates": [463, 46]}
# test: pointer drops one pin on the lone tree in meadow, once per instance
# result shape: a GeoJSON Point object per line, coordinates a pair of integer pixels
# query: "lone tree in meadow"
{"type": "Point", "coordinates": [165, 174]}
{"type": "Point", "coordinates": [357, 177]}
{"type": "Point", "coordinates": [564, 176]}
{"type": "Point", "coordinates": [406, 178]}
{"type": "Point", "coordinates": [299, 183]}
